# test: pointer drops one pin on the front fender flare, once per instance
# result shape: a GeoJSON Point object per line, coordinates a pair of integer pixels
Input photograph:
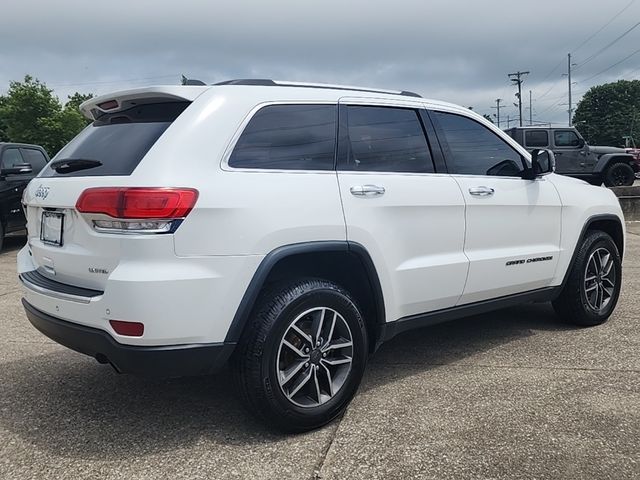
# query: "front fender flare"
{"type": "Point", "coordinates": [606, 159]}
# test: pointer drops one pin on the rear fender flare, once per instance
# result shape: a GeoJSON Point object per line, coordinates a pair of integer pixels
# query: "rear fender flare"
{"type": "Point", "coordinates": [261, 275]}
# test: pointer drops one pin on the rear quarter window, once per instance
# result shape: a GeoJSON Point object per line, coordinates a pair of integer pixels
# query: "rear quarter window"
{"type": "Point", "coordinates": [288, 137]}
{"type": "Point", "coordinates": [118, 140]}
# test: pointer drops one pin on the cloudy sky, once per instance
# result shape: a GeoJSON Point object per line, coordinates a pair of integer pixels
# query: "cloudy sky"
{"type": "Point", "coordinates": [459, 51]}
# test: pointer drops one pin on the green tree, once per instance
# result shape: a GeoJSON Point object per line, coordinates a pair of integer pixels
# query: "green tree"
{"type": "Point", "coordinates": [31, 113]}
{"type": "Point", "coordinates": [76, 99]}
{"type": "Point", "coordinates": [608, 112]}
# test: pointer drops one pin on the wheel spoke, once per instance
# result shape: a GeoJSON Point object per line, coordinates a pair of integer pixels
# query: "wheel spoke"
{"type": "Point", "coordinates": [604, 260]}
{"type": "Point", "coordinates": [599, 296]}
{"type": "Point", "coordinates": [315, 380]}
{"type": "Point", "coordinates": [609, 281]}
{"type": "Point", "coordinates": [607, 268]}
{"type": "Point", "coordinates": [337, 345]}
{"type": "Point", "coordinates": [333, 326]}
{"type": "Point", "coordinates": [289, 373]}
{"type": "Point", "coordinates": [302, 334]}
{"type": "Point", "coordinates": [590, 279]}
{"type": "Point", "coordinates": [329, 379]}
{"type": "Point", "coordinates": [317, 327]}
{"type": "Point", "coordinates": [335, 361]}
{"type": "Point", "coordinates": [300, 382]}
{"type": "Point", "coordinates": [294, 349]}
{"type": "Point", "coordinates": [591, 288]}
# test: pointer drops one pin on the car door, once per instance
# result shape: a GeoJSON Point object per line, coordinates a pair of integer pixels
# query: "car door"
{"type": "Point", "coordinates": [408, 217]}
{"type": "Point", "coordinates": [12, 188]}
{"type": "Point", "coordinates": [512, 236]}
{"type": "Point", "coordinates": [569, 152]}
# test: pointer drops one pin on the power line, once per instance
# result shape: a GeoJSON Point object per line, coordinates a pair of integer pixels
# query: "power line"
{"type": "Point", "coordinates": [611, 66]}
{"type": "Point", "coordinates": [603, 27]}
{"type": "Point", "coordinates": [607, 46]}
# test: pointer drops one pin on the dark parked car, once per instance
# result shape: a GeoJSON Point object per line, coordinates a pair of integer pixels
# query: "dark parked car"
{"type": "Point", "coordinates": [597, 165]}
{"type": "Point", "coordinates": [19, 163]}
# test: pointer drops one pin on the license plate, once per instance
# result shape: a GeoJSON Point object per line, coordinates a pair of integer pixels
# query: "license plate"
{"type": "Point", "coordinates": [51, 228]}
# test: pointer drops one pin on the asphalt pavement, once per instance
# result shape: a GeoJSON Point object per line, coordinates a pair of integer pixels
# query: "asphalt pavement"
{"type": "Point", "coordinates": [507, 395]}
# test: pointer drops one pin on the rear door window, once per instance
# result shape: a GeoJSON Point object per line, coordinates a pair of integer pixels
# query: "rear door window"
{"type": "Point", "coordinates": [288, 137]}
{"type": "Point", "coordinates": [118, 140]}
{"type": "Point", "coordinates": [385, 139]}
{"type": "Point", "coordinates": [536, 138]}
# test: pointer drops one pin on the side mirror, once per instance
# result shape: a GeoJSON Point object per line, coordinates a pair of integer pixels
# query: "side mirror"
{"type": "Point", "coordinates": [581, 142]}
{"type": "Point", "coordinates": [543, 162]}
{"type": "Point", "coordinates": [17, 169]}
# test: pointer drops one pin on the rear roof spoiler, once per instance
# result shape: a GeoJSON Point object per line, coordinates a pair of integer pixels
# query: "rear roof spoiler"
{"type": "Point", "coordinates": [124, 99]}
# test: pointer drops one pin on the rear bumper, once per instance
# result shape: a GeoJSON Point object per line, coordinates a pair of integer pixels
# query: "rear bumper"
{"type": "Point", "coordinates": [154, 361]}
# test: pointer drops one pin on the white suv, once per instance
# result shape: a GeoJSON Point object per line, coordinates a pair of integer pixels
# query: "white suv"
{"type": "Point", "coordinates": [293, 228]}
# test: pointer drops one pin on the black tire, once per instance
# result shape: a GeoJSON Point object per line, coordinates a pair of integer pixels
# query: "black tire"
{"type": "Point", "coordinates": [619, 175]}
{"type": "Point", "coordinates": [1, 236]}
{"type": "Point", "coordinates": [574, 304]}
{"type": "Point", "coordinates": [257, 358]}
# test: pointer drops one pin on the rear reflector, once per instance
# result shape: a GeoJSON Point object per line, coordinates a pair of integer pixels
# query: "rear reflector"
{"type": "Point", "coordinates": [138, 202]}
{"type": "Point", "coordinates": [130, 329]}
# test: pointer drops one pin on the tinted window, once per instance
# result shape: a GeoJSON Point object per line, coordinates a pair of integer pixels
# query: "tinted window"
{"type": "Point", "coordinates": [35, 157]}
{"type": "Point", "coordinates": [289, 137]}
{"type": "Point", "coordinates": [476, 150]}
{"type": "Point", "coordinates": [536, 138]}
{"type": "Point", "coordinates": [11, 158]}
{"type": "Point", "coordinates": [119, 140]}
{"type": "Point", "coordinates": [566, 138]}
{"type": "Point", "coordinates": [384, 139]}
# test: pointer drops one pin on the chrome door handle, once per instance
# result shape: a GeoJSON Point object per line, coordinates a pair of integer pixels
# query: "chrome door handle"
{"type": "Point", "coordinates": [367, 190]}
{"type": "Point", "coordinates": [481, 191]}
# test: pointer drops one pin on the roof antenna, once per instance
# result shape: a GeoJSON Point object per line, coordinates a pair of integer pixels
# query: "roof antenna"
{"type": "Point", "coordinates": [191, 81]}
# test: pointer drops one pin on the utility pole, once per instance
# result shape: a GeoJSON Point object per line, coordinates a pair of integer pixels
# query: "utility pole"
{"type": "Point", "coordinates": [517, 79]}
{"type": "Point", "coordinates": [530, 110]}
{"type": "Point", "coordinates": [497, 107]}
{"type": "Point", "coordinates": [569, 79]}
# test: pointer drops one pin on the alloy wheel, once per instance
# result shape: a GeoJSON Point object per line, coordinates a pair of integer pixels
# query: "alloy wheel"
{"type": "Point", "coordinates": [600, 279]}
{"type": "Point", "coordinates": [315, 357]}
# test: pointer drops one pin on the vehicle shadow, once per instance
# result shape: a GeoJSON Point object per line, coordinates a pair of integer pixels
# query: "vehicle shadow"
{"type": "Point", "coordinates": [13, 243]}
{"type": "Point", "coordinates": [67, 403]}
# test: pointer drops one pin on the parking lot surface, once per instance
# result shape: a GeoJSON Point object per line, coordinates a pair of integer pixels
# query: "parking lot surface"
{"type": "Point", "coordinates": [507, 395]}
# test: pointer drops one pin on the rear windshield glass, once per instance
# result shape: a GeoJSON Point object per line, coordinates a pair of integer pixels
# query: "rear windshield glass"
{"type": "Point", "coordinates": [115, 143]}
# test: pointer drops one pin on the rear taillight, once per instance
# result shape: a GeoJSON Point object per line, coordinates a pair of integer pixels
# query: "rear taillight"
{"type": "Point", "coordinates": [137, 209]}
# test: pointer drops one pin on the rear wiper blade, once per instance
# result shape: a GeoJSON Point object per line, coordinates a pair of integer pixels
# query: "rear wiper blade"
{"type": "Point", "coordinates": [74, 164]}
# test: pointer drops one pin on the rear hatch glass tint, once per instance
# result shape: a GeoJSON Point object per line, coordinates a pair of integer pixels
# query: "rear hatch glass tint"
{"type": "Point", "coordinates": [115, 143]}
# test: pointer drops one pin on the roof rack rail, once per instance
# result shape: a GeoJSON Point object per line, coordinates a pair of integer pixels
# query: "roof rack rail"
{"type": "Point", "coordinates": [277, 83]}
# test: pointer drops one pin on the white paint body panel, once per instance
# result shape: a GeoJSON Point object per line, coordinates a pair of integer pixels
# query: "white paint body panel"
{"type": "Point", "coordinates": [415, 236]}
{"type": "Point", "coordinates": [432, 245]}
{"type": "Point", "coordinates": [521, 220]}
